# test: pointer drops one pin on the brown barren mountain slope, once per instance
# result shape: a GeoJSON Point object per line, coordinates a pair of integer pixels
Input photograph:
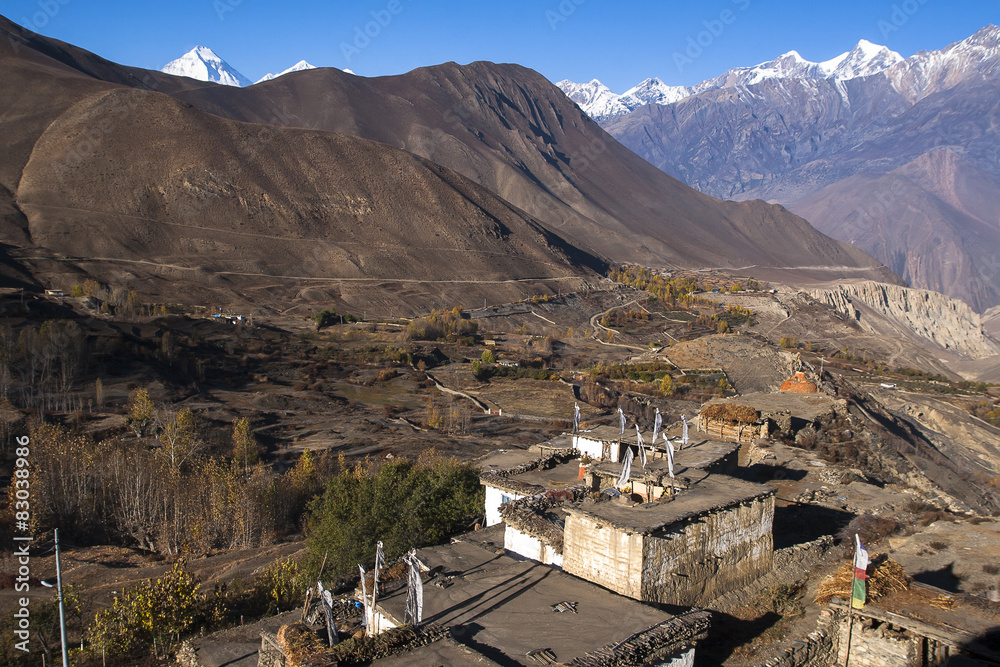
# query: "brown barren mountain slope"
{"type": "Point", "coordinates": [935, 221]}
{"type": "Point", "coordinates": [127, 186]}
{"type": "Point", "coordinates": [136, 188]}
{"type": "Point", "coordinates": [511, 130]}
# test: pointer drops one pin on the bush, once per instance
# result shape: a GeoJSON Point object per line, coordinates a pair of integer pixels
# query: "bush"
{"type": "Point", "coordinates": [870, 528]}
{"type": "Point", "coordinates": [325, 318]}
{"type": "Point", "coordinates": [156, 609]}
{"type": "Point", "coordinates": [403, 503]}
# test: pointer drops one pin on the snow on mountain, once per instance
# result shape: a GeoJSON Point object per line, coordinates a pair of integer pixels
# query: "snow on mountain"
{"type": "Point", "coordinates": [596, 99]}
{"type": "Point", "coordinates": [202, 64]}
{"type": "Point", "coordinates": [864, 59]}
{"type": "Point", "coordinates": [297, 67]}
{"type": "Point", "coordinates": [599, 102]}
{"type": "Point", "coordinates": [653, 91]}
{"type": "Point", "coordinates": [928, 72]}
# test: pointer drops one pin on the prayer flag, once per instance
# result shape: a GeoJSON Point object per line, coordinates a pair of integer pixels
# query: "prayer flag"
{"type": "Point", "coordinates": [415, 591]}
{"type": "Point", "coordinates": [860, 574]}
{"type": "Point", "coordinates": [670, 456]}
{"type": "Point", "coordinates": [642, 449]}
{"type": "Point", "coordinates": [626, 468]}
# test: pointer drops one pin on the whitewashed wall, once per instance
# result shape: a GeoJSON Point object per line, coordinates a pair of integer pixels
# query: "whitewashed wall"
{"type": "Point", "coordinates": [494, 499]}
{"type": "Point", "coordinates": [530, 547]}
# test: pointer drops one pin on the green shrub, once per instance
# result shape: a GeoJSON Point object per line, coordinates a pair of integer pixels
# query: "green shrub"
{"type": "Point", "coordinates": [403, 503]}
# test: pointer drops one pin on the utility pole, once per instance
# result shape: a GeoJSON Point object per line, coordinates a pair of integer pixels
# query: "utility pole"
{"type": "Point", "coordinates": [62, 610]}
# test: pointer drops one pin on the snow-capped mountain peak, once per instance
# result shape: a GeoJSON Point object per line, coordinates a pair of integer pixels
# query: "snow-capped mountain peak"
{"type": "Point", "coordinates": [297, 67]}
{"type": "Point", "coordinates": [864, 59]}
{"type": "Point", "coordinates": [928, 72]}
{"type": "Point", "coordinates": [653, 91]}
{"type": "Point", "coordinates": [202, 64]}
{"type": "Point", "coordinates": [596, 99]}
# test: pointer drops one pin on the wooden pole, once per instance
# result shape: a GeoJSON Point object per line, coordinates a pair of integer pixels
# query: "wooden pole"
{"type": "Point", "coordinates": [62, 612]}
{"type": "Point", "coordinates": [850, 632]}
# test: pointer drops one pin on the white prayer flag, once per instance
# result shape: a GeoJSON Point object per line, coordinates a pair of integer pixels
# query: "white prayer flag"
{"type": "Point", "coordinates": [621, 417]}
{"type": "Point", "coordinates": [364, 599]}
{"type": "Point", "coordinates": [576, 418]}
{"type": "Point", "coordinates": [657, 423]}
{"type": "Point", "coordinates": [326, 602]}
{"type": "Point", "coordinates": [642, 449]}
{"type": "Point", "coordinates": [379, 565]}
{"type": "Point", "coordinates": [684, 437]}
{"type": "Point", "coordinates": [670, 456]}
{"type": "Point", "coordinates": [626, 468]}
{"type": "Point", "coordinates": [415, 591]}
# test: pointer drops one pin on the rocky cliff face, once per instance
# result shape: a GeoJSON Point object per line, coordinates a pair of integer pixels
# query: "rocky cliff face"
{"type": "Point", "coordinates": [946, 322]}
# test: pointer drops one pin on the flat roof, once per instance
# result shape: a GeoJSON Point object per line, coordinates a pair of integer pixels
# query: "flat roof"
{"type": "Point", "coordinates": [435, 654]}
{"type": "Point", "coordinates": [550, 476]}
{"type": "Point", "coordinates": [699, 453]}
{"type": "Point", "coordinates": [920, 609]}
{"type": "Point", "coordinates": [705, 493]}
{"type": "Point", "coordinates": [561, 441]}
{"type": "Point", "coordinates": [506, 604]}
{"type": "Point", "coordinates": [607, 433]}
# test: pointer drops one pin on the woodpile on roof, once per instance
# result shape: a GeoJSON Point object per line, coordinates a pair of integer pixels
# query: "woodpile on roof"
{"type": "Point", "coordinates": [528, 515]}
{"type": "Point", "coordinates": [661, 640]}
{"type": "Point", "coordinates": [731, 413]}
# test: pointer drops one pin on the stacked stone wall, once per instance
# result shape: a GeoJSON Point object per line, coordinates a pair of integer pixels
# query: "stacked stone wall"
{"type": "Point", "coordinates": [603, 554]}
{"type": "Point", "coordinates": [715, 553]}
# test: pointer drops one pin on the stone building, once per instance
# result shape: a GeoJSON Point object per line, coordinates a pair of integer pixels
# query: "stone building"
{"type": "Point", "coordinates": [680, 540]}
{"type": "Point", "coordinates": [713, 534]}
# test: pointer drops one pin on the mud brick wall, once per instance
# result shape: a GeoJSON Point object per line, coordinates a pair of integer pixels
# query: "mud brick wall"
{"type": "Point", "coordinates": [701, 559]}
{"type": "Point", "coordinates": [603, 554]}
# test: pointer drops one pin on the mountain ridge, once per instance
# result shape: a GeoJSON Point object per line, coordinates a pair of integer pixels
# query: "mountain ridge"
{"type": "Point", "coordinates": [600, 103]}
{"type": "Point", "coordinates": [786, 139]}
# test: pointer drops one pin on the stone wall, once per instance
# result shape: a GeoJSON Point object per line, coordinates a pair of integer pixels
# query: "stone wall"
{"type": "Point", "coordinates": [878, 644]}
{"type": "Point", "coordinates": [698, 560]}
{"type": "Point", "coordinates": [788, 565]}
{"type": "Point", "coordinates": [598, 552]}
{"type": "Point", "coordinates": [818, 649]}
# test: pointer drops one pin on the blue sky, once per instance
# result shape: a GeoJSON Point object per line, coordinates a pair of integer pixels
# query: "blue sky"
{"type": "Point", "coordinates": [620, 43]}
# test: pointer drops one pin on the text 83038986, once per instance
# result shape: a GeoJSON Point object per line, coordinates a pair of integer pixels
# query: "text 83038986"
{"type": "Point", "coordinates": [22, 521]}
